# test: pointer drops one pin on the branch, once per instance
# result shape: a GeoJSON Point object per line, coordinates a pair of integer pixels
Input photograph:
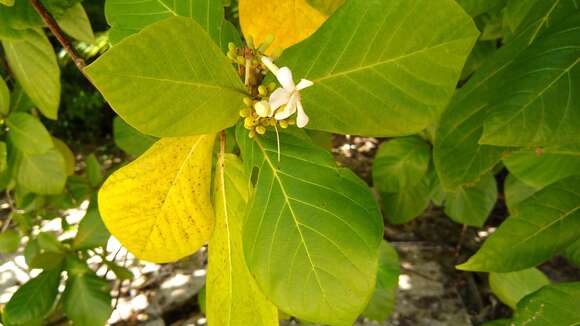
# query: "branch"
{"type": "Point", "coordinates": [57, 32]}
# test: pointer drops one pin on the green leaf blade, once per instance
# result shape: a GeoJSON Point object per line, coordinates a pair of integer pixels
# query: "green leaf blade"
{"type": "Point", "coordinates": [472, 205]}
{"type": "Point", "coordinates": [312, 233]}
{"type": "Point", "coordinates": [28, 134]}
{"type": "Point", "coordinates": [382, 302]}
{"type": "Point", "coordinates": [555, 304]}
{"type": "Point", "coordinates": [380, 72]}
{"type": "Point", "coordinates": [188, 88]}
{"type": "Point", "coordinates": [510, 288]}
{"type": "Point", "coordinates": [33, 62]}
{"type": "Point", "coordinates": [233, 295]}
{"type": "Point", "coordinates": [545, 224]}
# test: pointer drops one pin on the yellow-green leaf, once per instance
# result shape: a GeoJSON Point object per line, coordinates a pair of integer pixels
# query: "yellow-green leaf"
{"type": "Point", "coordinates": [67, 154]}
{"type": "Point", "coordinates": [289, 21]}
{"type": "Point", "coordinates": [233, 296]}
{"type": "Point", "coordinates": [158, 206]}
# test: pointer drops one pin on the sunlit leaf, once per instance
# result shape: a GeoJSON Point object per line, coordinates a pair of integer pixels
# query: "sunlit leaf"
{"type": "Point", "coordinates": [9, 241]}
{"type": "Point", "coordinates": [42, 173]}
{"type": "Point", "coordinates": [158, 206]}
{"type": "Point", "coordinates": [67, 155]}
{"type": "Point", "coordinates": [4, 97]}
{"type": "Point", "coordinates": [313, 230]}
{"type": "Point", "coordinates": [130, 139]}
{"type": "Point", "coordinates": [92, 232]}
{"type": "Point", "coordinates": [75, 23]}
{"type": "Point", "coordinates": [33, 62]}
{"type": "Point", "coordinates": [289, 21]}
{"type": "Point", "coordinates": [28, 134]}
{"type": "Point", "coordinates": [233, 295]}
{"type": "Point", "coordinates": [376, 71]}
{"type": "Point", "coordinates": [170, 86]}
{"type": "Point", "coordinates": [516, 191]}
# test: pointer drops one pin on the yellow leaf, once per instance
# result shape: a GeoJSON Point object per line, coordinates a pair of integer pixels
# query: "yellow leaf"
{"type": "Point", "coordinates": [159, 205]}
{"type": "Point", "coordinates": [290, 21]}
{"type": "Point", "coordinates": [233, 297]}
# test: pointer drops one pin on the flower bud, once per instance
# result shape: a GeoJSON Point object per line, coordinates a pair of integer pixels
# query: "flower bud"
{"type": "Point", "coordinates": [272, 86]}
{"type": "Point", "coordinates": [244, 113]}
{"type": "Point", "coordinates": [232, 46]}
{"type": "Point", "coordinates": [263, 108]}
{"type": "Point", "coordinates": [248, 123]}
{"type": "Point", "coordinates": [283, 124]}
{"type": "Point", "coordinates": [261, 130]}
{"type": "Point", "coordinates": [262, 90]}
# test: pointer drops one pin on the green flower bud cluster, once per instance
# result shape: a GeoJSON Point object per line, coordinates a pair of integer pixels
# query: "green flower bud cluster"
{"type": "Point", "coordinates": [235, 54]}
{"type": "Point", "coordinates": [259, 125]}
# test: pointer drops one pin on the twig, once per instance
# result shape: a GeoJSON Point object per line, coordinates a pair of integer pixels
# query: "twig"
{"type": "Point", "coordinates": [57, 32]}
{"type": "Point", "coordinates": [460, 241]}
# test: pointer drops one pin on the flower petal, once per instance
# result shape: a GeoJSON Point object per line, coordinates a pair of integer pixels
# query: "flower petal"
{"type": "Point", "coordinates": [279, 97]}
{"type": "Point", "coordinates": [301, 119]}
{"type": "Point", "coordinates": [303, 84]}
{"type": "Point", "coordinates": [284, 76]}
{"type": "Point", "coordinates": [268, 63]}
{"type": "Point", "coordinates": [288, 110]}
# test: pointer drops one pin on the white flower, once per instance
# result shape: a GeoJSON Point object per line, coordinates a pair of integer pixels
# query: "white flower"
{"type": "Point", "coordinates": [287, 97]}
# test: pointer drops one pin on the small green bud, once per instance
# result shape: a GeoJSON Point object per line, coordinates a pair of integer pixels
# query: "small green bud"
{"type": "Point", "coordinates": [262, 90]}
{"type": "Point", "coordinates": [248, 123]}
{"type": "Point", "coordinates": [272, 86]}
{"type": "Point", "coordinates": [261, 130]}
{"type": "Point", "coordinates": [244, 113]}
{"type": "Point", "coordinates": [248, 101]}
{"type": "Point", "coordinates": [240, 60]}
{"type": "Point", "coordinates": [283, 124]}
{"type": "Point", "coordinates": [232, 46]}
{"type": "Point", "coordinates": [292, 121]}
{"type": "Point", "coordinates": [252, 134]}
{"type": "Point", "coordinates": [232, 56]}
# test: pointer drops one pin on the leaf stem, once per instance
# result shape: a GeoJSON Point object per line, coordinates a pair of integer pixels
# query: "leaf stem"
{"type": "Point", "coordinates": [57, 32]}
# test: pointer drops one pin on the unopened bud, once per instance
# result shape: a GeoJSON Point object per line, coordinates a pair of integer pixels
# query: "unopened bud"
{"type": "Point", "coordinates": [283, 124]}
{"type": "Point", "coordinates": [232, 46]}
{"type": "Point", "coordinates": [261, 130]}
{"type": "Point", "coordinates": [272, 86]}
{"type": "Point", "coordinates": [262, 90]}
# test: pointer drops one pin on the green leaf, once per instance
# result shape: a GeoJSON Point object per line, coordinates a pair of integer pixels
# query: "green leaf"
{"type": "Point", "coordinates": [8, 3]}
{"type": "Point", "coordinates": [312, 232]}
{"type": "Point", "coordinates": [572, 253]}
{"type": "Point", "coordinates": [515, 192]}
{"type": "Point", "coordinates": [93, 171]}
{"type": "Point", "coordinates": [480, 53]}
{"type": "Point", "coordinates": [4, 97]}
{"type": "Point", "coordinates": [519, 15]}
{"type": "Point", "coordinates": [458, 156]}
{"type": "Point", "coordinates": [233, 295]}
{"type": "Point", "coordinates": [75, 23]}
{"type": "Point", "coordinates": [129, 139]}
{"type": "Point", "coordinates": [191, 88]}
{"type": "Point", "coordinates": [541, 80]}
{"type": "Point", "coordinates": [376, 71]}
{"type": "Point", "coordinates": [28, 134]}
{"type": "Point", "coordinates": [127, 17]}
{"type": "Point", "coordinates": [229, 33]}
{"type": "Point", "coordinates": [401, 163]}
{"type": "Point", "coordinates": [403, 206]}
{"type": "Point", "coordinates": [539, 168]}
{"type": "Point", "coordinates": [555, 304]}
{"type": "Point", "coordinates": [326, 7]}
{"type": "Point", "coordinates": [3, 157]}
{"type": "Point", "coordinates": [20, 16]}
{"type": "Point", "coordinates": [42, 173]}
{"type": "Point", "coordinates": [92, 232]}
{"type": "Point", "coordinates": [472, 205]}
{"type": "Point", "coordinates": [67, 155]}
{"type": "Point", "coordinates": [9, 241]}
{"type": "Point", "coordinates": [48, 241]}
{"type": "Point", "coordinates": [87, 299]}
{"type": "Point", "coordinates": [382, 302]}
{"type": "Point", "coordinates": [510, 288]}
{"type": "Point", "coordinates": [33, 62]}
{"type": "Point", "coordinates": [478, 7]}
{"type": "Point", "coordinates": [498, 322]}
{"type": "Point", "coordinates": [31, 250]}
{"type": "Point", "coordinates": [47, 260]}
{"type": "Point", "coordinates": [33, 300]}
{"type": "Point", "coordinates": [122, 273]}
{"type": "Point", "coordinates": [545, 224]}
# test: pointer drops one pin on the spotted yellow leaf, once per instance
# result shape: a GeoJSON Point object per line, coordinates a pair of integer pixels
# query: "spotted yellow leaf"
{"type": "Point", "coordinates": [159, 205]}
{"type": "Point", "coordinates": [289, 21]}
{"type": "Point", "coordinates": [233, 297]}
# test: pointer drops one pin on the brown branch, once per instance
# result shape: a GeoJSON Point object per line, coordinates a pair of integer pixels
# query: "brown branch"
{"type": "Point", "coordinates": [57, 32]}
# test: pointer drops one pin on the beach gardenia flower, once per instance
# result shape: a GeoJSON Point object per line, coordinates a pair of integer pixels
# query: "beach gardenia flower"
{"type": "Point", "coordinates": [286, 100]}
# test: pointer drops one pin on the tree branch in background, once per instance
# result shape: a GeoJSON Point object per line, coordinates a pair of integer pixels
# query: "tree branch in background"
{"type": "Point", "coordinates": [57, 32]}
